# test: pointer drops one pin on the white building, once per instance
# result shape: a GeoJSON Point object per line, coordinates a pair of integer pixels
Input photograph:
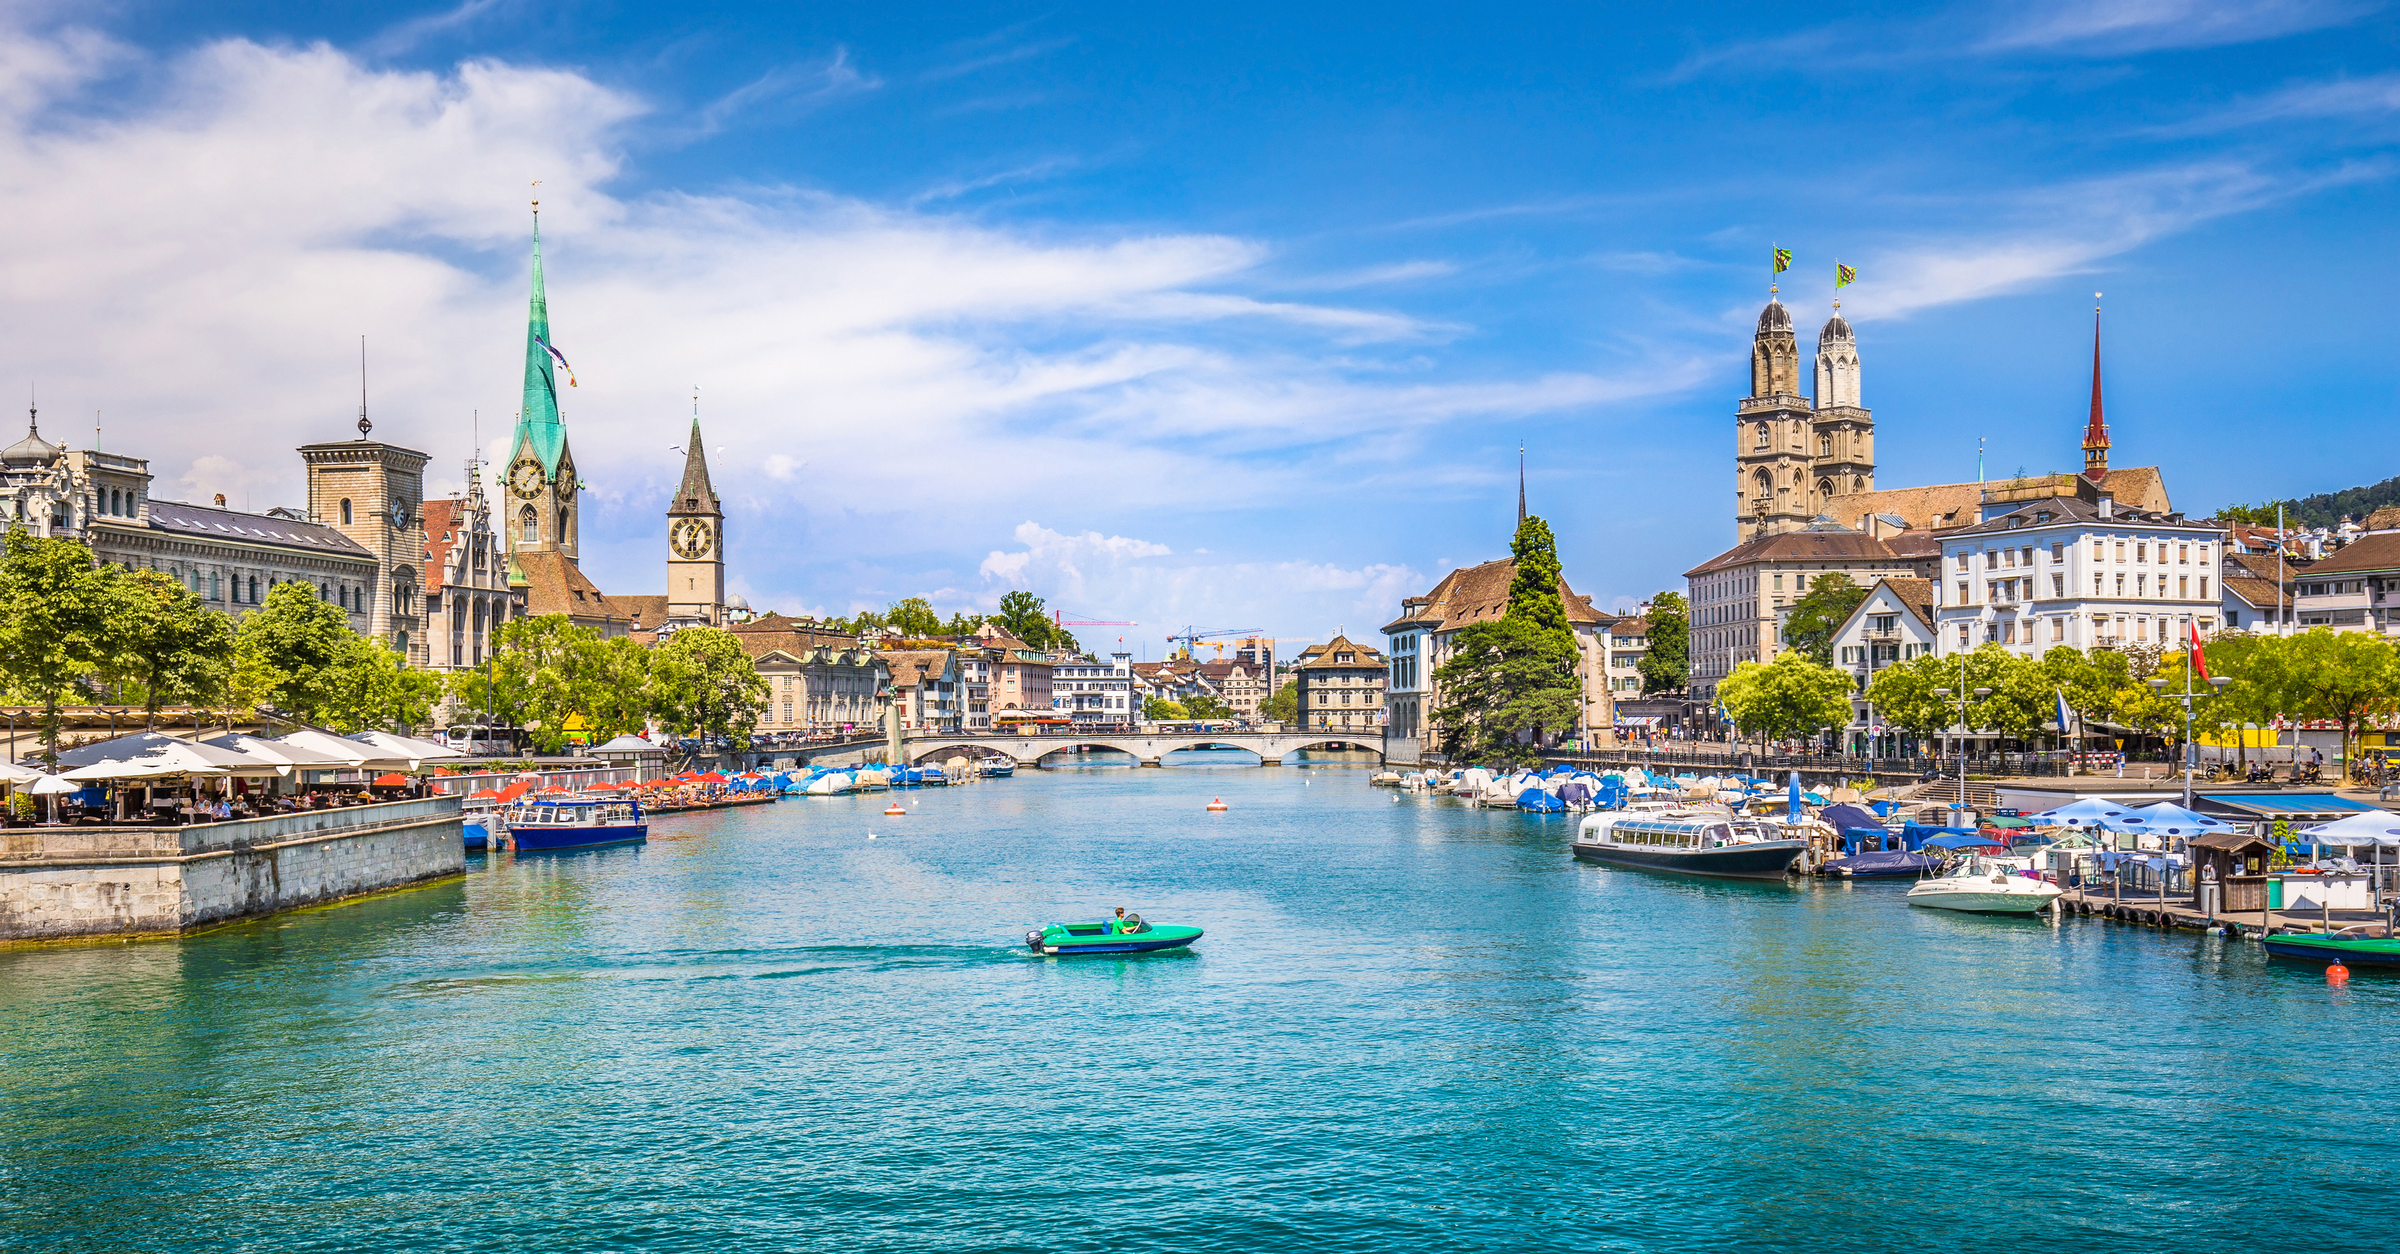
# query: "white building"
{"type": "Point", "coordinates": [1096, 694]}
{"type": "Point", "coordinates": [2079, 572]}
{"type": "Point", "coordinates": [1894, 624]}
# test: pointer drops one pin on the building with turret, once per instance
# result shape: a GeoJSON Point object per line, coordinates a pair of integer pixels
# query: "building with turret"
{"type": "Point", "coordinates": [1794, 455]}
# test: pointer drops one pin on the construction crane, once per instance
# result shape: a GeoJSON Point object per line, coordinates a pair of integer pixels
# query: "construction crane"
{"type": "Point", "coordinates": [1192, 636]}
{"type": "Point", "coordinates": [1058, 618]}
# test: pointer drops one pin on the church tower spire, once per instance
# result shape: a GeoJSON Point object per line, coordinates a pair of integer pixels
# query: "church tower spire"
{"type": "Point", "coordinates": [541, 516]}
{"type": "Point", "coordinates": [2095, 432]}
{"type": "Point", "coordinates": [1770, 432]}
{"type": "Point", "coordinates": [696, 539]}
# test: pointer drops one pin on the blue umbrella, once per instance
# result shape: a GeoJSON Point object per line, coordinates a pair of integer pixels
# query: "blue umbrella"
{"type": "Point", "coordinates": [2085, 812]}
{"type": "Point", "coordinates": [2173, 820]}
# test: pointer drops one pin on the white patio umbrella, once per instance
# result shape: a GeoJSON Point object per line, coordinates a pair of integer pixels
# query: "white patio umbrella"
{"type": "Point", "coordinates": [140, 770]}
{"type": "Point", "coordinates": [53, 787]}
{"type": "Point", "coordinates": [19, 776]}
{"type": "Point", "coordinates": [2367, 827]}
{"type": "Point", "coordinates": [289, 755]}
{"type": "Point", "coordinates": [405, 746]}
{"type": "Point", "coordinates": [345, 752]}
{"type": "Point", "coordinates": [175, 754]}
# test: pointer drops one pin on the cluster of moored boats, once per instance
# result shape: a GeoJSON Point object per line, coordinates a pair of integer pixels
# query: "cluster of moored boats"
{"type": "Point", "coordinates": [1742, 827]}
{"type": "Point", "coordinates": [529, 818]}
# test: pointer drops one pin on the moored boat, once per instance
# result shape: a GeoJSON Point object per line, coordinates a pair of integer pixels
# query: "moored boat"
{"type": "Point", "coordinates": [548, 824]}
{"type": "Point", "coordinates": [2347, 950]}
{"type": "Point", "coordinates": [1983, 886]}
{"type": "Point", "coordinates": [1129, 935]}
{"type": "Point", "coordinates": [1690, 842]}
{"type": "Point", "coordinates": [1878, 864]}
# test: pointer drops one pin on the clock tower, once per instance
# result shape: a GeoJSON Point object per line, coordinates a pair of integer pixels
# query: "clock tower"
{"type": "Point", "coordinates": [695, 543]}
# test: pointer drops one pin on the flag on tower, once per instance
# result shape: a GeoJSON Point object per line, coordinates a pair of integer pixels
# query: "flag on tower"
{"type": "Point", "coordinates": [1783, 260]}
{"type": "Point", "coordinates": [562, 358]}
{"type": "Point", "coordinates": [2199, 663]}
{"type": "Point", "coordinates": [1843, 276]}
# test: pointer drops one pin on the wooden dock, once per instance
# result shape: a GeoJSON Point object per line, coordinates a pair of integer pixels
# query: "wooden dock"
{"type": "Point", "coordinates": [2182, 912]}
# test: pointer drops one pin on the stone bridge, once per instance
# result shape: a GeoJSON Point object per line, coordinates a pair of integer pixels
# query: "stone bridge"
{"type": "Point", "coordinates": [1146, 747]}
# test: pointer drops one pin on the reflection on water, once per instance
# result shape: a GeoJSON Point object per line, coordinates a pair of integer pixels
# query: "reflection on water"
{"type": "Point", "coordinates": [1410, 1026]}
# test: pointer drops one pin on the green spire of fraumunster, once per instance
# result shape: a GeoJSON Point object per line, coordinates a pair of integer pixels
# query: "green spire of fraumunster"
{"type": "Point", "coordinates": [539, 420]}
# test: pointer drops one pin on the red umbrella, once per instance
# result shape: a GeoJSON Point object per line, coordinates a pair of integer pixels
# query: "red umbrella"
{"type": "Point", "coordinates": [712, 778]}
{"type": "Point", "coordinates": [393, 780]}
{"type": "Point", "coordinates": [557, 788]}
{"type": "Point", "coordinates": [481, 793]}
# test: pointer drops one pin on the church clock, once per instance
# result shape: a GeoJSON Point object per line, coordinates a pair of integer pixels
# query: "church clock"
{"type": "Point", "coordinates": [691, 538]}
{"type": "Point", "coordinates": [525, 478]}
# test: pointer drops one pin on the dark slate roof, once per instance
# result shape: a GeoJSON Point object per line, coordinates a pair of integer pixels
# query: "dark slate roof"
{"type": "Point", "coordinates": [1802, 546]}
{"type": "Point", "coordinates": [2069, 509]}
{"type": "Point", "coordinates": [211, 523]}
{"type": "Point", "coordinates": [2367, 553]}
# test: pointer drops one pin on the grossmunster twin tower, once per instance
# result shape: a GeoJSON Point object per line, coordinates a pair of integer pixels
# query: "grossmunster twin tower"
{"type": "Point", "coordinates": [1792, 456]}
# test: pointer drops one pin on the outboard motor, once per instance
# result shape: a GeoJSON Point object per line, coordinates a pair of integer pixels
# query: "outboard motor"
{"type": "Point", "coordinates": [1034, 939]}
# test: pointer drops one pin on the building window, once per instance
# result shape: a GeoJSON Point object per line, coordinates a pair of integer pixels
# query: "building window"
{"type": "Point", "coordinates": [2058, 550]}
{"type": "Point", "coordinates": [2203, 587]}
{"type": "Point", "coordinates": [529, 525]}
{"type": "Point", "coordinates": [346, 515]}
{"type": "Point", "coordinates": [2058, 629]}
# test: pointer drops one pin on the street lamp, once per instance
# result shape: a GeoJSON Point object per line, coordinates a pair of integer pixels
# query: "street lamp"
{"type": "Point", "coordinates": [2191, 752]}
{"type": "Point", "coordinates": [1944, 693]}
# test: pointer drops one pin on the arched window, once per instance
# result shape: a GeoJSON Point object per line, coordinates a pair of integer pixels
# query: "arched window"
{"type": "Point", "coordinates": [1825, 489]}
{"type": "Point", "coordinates": [324, 592]}
{"type": "Point", "coordinates": [116, 503]}
{"type": "Point", "coordinates": [530, 523]}
{"type": "Point", "coordinates": [1765, 434]}
{"type": "Point", "coordinates": [1824, 446]}
{"type": "Point", "coordinates": [1858, 483]}
{"type": "Point", "coordinates": [253, 589]}
{"type": "Point", "coordinates": [562, 524]}
{"type": "Point", "coordinates": [400, 642]}
{"type": "Point", "coordinates": [1765, 482]}
{"type": "Point", "coordinates": [345, 512]}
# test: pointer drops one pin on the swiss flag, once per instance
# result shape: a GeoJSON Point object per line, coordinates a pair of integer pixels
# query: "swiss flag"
{"type": "Point", "coordinates": [2199, 662]}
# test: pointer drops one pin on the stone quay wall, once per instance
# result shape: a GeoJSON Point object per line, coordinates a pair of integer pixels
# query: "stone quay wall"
{"type": "Point", "coordinates": [59, 883]}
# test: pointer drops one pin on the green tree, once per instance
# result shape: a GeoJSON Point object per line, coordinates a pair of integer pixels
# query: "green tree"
{"type": "Point", "coordinates": [1819, 613]}
{"type": "Point", "coordinates": [1667, 665]}
{"type": "Point", "coordinates": [1022, 615]}
{"type": "Point", "coordinates": [1157, 708]}
{"type": "Point", "coordinates": [54, 608]}
{"type": "Point", "coordinates": [294, 647]}
{"type": "Point", "coordinates": [535, 678]}
{"type": "Point", "coordinates": [914, 618]}
{"type": "Point", "coordinates": [1205, 705]}
{"type": "Point", "coordinates": [374, 688]}
{"type": "Point", "coordinates": [618, 695]}
{"type": "Point", "coordinates": [1903, 696]}
{"type": "Point", "coordinates": [166, 641]}
{"type": "Point", "coordinates": [708, 685]}
{"type": "Point", "coordinates": [1792, 696]}
{"type": "Point", "coordinates": [1510, 682]}
{"type": "Point", "coordinates": [963, 624]}
{"type": "Point", "coordinates": [2261, 687]}
{"type": "Point", "coordinates": [1284, 705]}
{"type": "Point", "coordinates": [2351, 677]}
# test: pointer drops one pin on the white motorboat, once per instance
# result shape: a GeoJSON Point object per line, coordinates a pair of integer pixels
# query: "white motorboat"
{"type": "Point", "coordinates": [1984, 886]}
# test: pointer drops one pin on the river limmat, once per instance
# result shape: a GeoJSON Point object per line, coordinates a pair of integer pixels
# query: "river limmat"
{"type": "Point", "coordinates": [1411, 1025]}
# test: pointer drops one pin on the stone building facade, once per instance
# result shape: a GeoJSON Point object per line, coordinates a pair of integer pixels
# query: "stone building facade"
{"type": "Point", "coordinates": [468, 597]}
{"type": "Point", "coordinates": [374, 493]}
{"type": "Point", "coordinates": [1341, 686]}
{"type": "Point", "coordinates": [1792, 455]}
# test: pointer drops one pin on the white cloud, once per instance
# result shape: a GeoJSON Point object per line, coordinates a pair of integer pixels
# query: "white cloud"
{"type": "Point", "coordinates": [2111, 27]}
{"type": "Point", "coordinates": [2073, 228]}
{"type": "Point", "coordinates": [2377, 94]}
{"type": "Point", "coordinates": [1121, 577]}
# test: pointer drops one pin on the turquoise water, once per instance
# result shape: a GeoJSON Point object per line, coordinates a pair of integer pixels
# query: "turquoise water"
{"type": "Point", "coordinates": [1410, 1027]}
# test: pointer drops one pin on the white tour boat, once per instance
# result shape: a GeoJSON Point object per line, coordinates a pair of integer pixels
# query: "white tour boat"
{"type": "Point", "coordinates": [1984, 886]}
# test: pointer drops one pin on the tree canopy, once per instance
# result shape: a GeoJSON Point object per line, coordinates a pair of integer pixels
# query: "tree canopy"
{"type": "Point", "coordinates": [54, 610]}
{"type": "Point", "coordinates": [1666, 666]}
{"type": "Point", "coordinates": [1512, 681]}
{"type": "Point", "coordinates": [1794, 695]}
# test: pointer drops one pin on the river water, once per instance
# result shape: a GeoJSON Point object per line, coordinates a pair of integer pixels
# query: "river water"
{"type": "Point", "coordinates": [1411, 1026]}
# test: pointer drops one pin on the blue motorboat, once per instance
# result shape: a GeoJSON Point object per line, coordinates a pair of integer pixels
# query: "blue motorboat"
{"type": "Point", "coordinates": [1540, 801]}
{"type": "Point", "coordinates": [550, 824]}
{"type": "Point", "coordinates": [998, 768]}
{"type": "Point", "coordinates": [1883, 864]}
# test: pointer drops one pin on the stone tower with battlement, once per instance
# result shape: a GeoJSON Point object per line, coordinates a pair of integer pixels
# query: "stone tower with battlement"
{"type": "Point", "coordinates": [1793, 455]}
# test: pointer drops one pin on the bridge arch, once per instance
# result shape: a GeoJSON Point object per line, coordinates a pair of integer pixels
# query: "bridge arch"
{"type": "Point", "coordinates": [944, 752]}
{"type": "Point", "coordinates": [1348, 743]}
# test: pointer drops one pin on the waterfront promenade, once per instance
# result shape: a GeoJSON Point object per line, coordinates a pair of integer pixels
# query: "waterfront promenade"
{"type": "Point", "coordinates": [1411, 1025]}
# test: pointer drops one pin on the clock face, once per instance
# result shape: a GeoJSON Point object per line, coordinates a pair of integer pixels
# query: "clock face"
{"type": "Point", "coordinates": [566, 473]}
{"type": "Point", "coordinates": [690, 538]}
{"type": "Point", "coordinates": [525, 478]}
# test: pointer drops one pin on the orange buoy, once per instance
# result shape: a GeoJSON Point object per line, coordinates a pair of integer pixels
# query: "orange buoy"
{"type": "Point", "coordinates": [895, 808]}
{"type": "Point", "coordinates": [2337, 974]}
{"type": "Point", "coordinates": [1216, 803]}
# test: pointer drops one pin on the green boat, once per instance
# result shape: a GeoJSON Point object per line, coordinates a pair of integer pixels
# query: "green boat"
{"type": "Point", "coordinates": [1129, 935]}
{"type": "Point", "coordinates": [2350, 951]}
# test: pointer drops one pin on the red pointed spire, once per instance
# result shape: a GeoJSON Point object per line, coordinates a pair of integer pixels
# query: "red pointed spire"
{"type": "Point", "coordinates": [2095, 435]}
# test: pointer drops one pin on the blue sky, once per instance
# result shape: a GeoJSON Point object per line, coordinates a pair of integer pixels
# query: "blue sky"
{"type": "Point", "coordinates": [1235, 322]}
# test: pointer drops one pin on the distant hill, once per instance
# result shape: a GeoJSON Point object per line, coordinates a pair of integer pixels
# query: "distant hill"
{"type": "Point", "coordinates": [2323, 510]}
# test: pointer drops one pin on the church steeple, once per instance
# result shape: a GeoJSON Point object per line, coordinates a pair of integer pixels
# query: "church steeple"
{"type": "Point", "coordinates": [538, 421]}
{"type": "Point", "coordinates": [541, 516]}
{"type": "Point", "coordinates": [696, 540]}
{"type": "Point", "coordinates": [2095, 432]}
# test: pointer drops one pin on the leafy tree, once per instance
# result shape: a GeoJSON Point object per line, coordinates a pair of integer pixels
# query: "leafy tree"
{"type": "Point", "coordinates": [2262, 687]}
{"type": "Point", "coordinates": [1156, 708]}
{"type": "Point", "coordinates": [293, 648]}
{"type": "Point", "coordinates": [1022, 615]}
{"type": "Point", "coordinates": [1667, 666]}
{"type": "Point", "coordinates": [1792, 696]}
{"type": "Point", "coordinates": [1903, 696]}
{"type": "Point", "coordinates": [2254, 515]}
{"type": "Point", "coordinates": [54, 607]}
{"type": "Point", "coordinates": [1819, 613]}
{"type": "Point", "coordinates": [914, 618]}
{"type": "Point", "coordinates": [535, 678]}
{"type": "Point", "coordinates": [707, 684]}
{"type": "Point", "coordinates": [963, 624]}
{"type": "Point", "coordinates": [1206, 706]}
{"type": "Point", "coordinates": [618, 696]}
{"type": "Point", "coordinates": [2351, 677]}
{"type": "Point", "coordinates": [1509, 682]}
{"type": "Point", "coordinates": [373, 687]}
{"type": "Point", "coordinates": [1284, 705]}
{"type": "Point", "coordinates": [166, 640]}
